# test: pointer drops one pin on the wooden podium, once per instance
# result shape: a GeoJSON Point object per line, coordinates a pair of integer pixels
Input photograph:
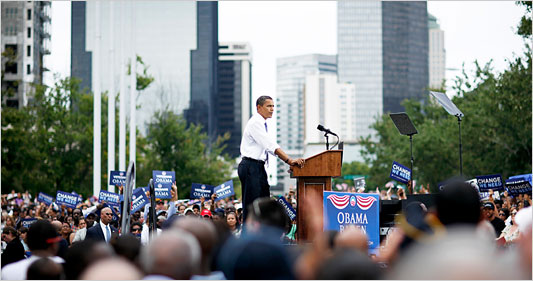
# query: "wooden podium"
{"type": "Point", "coordinates": [315, 176]}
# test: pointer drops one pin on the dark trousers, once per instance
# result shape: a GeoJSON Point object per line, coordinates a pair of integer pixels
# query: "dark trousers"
{"type": "Point", "coordinates": [254, 183]}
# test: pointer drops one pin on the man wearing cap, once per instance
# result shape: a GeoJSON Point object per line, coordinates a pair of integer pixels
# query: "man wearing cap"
{"type": "Point", "coordinates": [256, 145]}
{"type": "Point", "coordinates": [206, 214]}
{"type": "Point", "coordinates": [103, 230]}
{"type": "Point", "coordinates": [490, 215]}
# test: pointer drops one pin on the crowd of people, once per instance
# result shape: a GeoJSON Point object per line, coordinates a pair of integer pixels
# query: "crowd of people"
{"type": "Point", "coordinates": [460, 237]}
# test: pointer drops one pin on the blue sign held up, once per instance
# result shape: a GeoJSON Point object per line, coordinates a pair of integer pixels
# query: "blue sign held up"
{"type": "Point", "coordinates": [138, 199]}
{"type": "Point", "coordinates": [516, 187]}
{"type": "Point", "coordinates": [163, 183]}
{"type": "Point", "coordinates": [117, 178]}
{"type": "Point", "coordinates": [400, 173]}
{"type": "Point", "coordinates": [342, 209]}
{"type": "Point", "coordinates": [110, 198]}
{"type": "Point", "coordinates": [70, 200]}
{"type": "Point", "coordinates": [27, 222]}
{"type": "Point", "coordinates": [288, 208]}
{"type": "Point", "coordinates": [199, 190]}
{"type": "Point", "coordinates": [224, 190]}
{"type": "Point", "coordinates": [45, 198]}
{"type": "Point", "coordinates": [494, 182]}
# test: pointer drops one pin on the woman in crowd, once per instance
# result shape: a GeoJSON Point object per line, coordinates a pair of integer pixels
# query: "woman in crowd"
{"type": "Point", "coordinates": [510, 232]}
{"type": "Point", "coordinates": [79, 235]}
{"type": "Point", "coordinates": [233, 224]}
{"type": "Point", "coordinates": [66, 231]}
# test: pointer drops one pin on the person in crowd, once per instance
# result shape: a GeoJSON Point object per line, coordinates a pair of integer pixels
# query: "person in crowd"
{"type": "Point", "coordinates": [233, 224]}
{"type": "Point", "coordinates": [181, 209]}
{"type": "Point", "coordinates": [79, 235]}
{"type": "Point", "coordinates": [66, 232]}
{"type": "Point", "coordinates": [504, 214]}
{"type": "Point", "coordinates": [45, 269]}
{"type": "Point", "coordinates": [23, 232]}
{"type": "Point", "coordinates": [205, 233]}
{"type": "Point", "coordinates": [258, 253]}
{"type": "Point", "coordinates": [128, 247]}
{"type": "Point", "coordinates": [14, 250]}
{"type": "Point", "coordinates": [43, 240]}
{"type": "Point", "coordinates": [348, 264]}
{"type": "Point", "coordinates": [490, 215]}
{"type": "Point", "coordinates": [206, 214]}
{"type": "Point", "coordinates": [352, 238]}
{"type": "Point", "coordinates": [511, 232]}
{"type": "Point", "coordinates": [256, 144]}
{"type": "Point", "coordinates": [82, 254]}
{"type": "Point", "coordinates": [136, 229]}
{"type": "Point", "coordinates": [174, 254]}
{"type": "Point", "coordinates": [63, 244]}
{"type": "Point", "coordinates": [102, 231]}
{"type": "Point", "coordinates": [112, 269]}
{"type": "Point", "coordinates": [196, 209]}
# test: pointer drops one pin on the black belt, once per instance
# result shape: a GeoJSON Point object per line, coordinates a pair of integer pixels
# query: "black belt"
{"type": "Point", "coordinates": [253, 160]}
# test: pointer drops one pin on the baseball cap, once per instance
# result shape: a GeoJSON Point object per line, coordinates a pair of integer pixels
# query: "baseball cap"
{"type": "Point", "coordinates": [206, 212]}
{"type": "Point", "coordinates": [488, 205]}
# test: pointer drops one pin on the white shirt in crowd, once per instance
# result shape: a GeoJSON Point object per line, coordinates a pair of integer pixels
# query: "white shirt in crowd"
{"type": "Point", "coordinates": [104, 230]}
{"type": "Point", "coordinates": [256, 140]}
{"type": "Point", "coordinates": [17, 270]}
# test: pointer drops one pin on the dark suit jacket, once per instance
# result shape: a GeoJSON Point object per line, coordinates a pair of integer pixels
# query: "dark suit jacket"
{"type": "Point", "coordinates": [96, 233]}
{"type": "Point", "coordinates": [14, 252]}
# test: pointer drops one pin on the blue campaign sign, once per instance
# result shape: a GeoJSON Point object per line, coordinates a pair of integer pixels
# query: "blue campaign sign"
{"type": "Point", "coordinates": [199, 190]}
{"type": "Point", "coordinates": [27, 222]}
{"type": "Point", "coordinates": [163, 183]}
{"type": "Point", "coordinates": [288, 208]}
{"type": "Point", "coordinates": [494, 182]}
{"type": "Point", "coordinates": [43, 197]}
{"type": "Point", "coordinates": [516, 187]}
{"type": "Point", "coordinates": [70, 200]}
{"type": "Point", "coordinates": [342, 209]}
{"type": "Point", "coordinates": [110, 198]}
{"type": "Point", "coordinates": [400, 173]}
{"type": "Point", "coordinates": [117, 178]}
{"type": "Point", "coordinates": [138, 199]}
{"type": "Point", "coordinates": [224, 190]}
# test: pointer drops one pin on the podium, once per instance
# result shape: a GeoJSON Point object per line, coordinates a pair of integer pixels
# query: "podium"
{"type": "Point", "coordinates": [315, 176]}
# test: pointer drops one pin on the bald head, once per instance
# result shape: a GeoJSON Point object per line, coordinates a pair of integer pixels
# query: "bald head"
{"type": "Point", "coordinates": [204, 231]}
{"type": "Point", "coordinates": [57, 225]}
{"type": "Point", "coordinates": [352, 237]}
{"type": "Point", "coordinates": [112, 269]}
{"type": "Point", "coordinates": [106, 215]}
{"type": "Point", "coordinates": [174, 253]}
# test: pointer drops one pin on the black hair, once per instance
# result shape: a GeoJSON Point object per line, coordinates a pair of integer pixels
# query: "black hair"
{"type": "Point", "coordinates": [45, 269]}
{"type": "Point", "coordinates": [38, 234]}
{"type": "Point", "coordinates": [269, 212]}
{"type": "Point", "coordinates": [10, 230]}
{"type": "Point", "coordinates": [458, 203]}
{"type": "Point", "coordinates": [261, 100]}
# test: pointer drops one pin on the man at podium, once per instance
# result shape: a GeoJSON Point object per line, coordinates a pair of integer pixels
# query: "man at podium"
{"type": "Point", "coordinates": [256, 145]}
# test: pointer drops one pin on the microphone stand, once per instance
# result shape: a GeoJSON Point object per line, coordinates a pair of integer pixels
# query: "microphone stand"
{"type": "Point", "coordinates": [327, 141]}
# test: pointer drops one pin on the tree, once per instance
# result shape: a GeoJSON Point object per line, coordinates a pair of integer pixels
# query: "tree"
{"type": "Point", "coordinates": [171, 145]}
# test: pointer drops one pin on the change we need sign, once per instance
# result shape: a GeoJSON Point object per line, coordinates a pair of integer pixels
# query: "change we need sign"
{"type": "Point", "coordinates": [70, 200]}
{"type": "Point", "coordinates": [163, 183]}
{"type": "Point", "coordinates": [138, 199]}
{"type": "Point", "coordinates": [342, 209]}
{"type": "Point", "coordinates": [43, 197]}
{"type": "Point", "coordinates": [288, 208]}
{"type": "Point", "coordinates": [117, 178]}
{"type": "Point", "coordinates": [516, 187]}
{"type": "Point", "coordinates": [400, 173]}
{"type": "Point", "coordinates": [27, 222]}
{"type": "Point", "coordinates": [110, 198]}
{"type": "Point", "coordinates": [494, 182]}
{"type": "Point", "coordinates": [224, 190]}
{"type": "Point", "coordinates": [199, 190]}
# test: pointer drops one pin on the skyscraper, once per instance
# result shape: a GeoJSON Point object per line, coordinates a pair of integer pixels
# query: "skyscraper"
{"type": "Point", "coordinates": [204, 68]}
{"type": "Point", "coordinates": [25, 42]}
{"type": "Point", "coordinates": [290, 80]}
{"type": "Point", "coordinates": [383, 51]}
{"type": "Point", "coordinates": [234, 92]}
{"type": "Point", "coordinates": [437, 53]}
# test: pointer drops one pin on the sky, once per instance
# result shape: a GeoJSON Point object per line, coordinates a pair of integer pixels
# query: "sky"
{"type": "Point", "coordinates": [481, 30]}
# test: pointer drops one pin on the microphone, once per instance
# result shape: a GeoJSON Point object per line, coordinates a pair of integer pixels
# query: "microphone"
{"type": "Point", "coordinates": [325, 130]}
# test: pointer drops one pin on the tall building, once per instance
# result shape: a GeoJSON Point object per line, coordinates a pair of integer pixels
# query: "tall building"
{"type": "Point", "coordinates": [161, 33]}
{"type": "Point", "coordinates": [383, 50]}
{"type": "Point", "coordinates": [437, 53]}
{"type": "Point", "coordinates": [204, 68]}
{"type": "Point", "coordinates": [290, 81]}
{"type": "Point", "coordinates": [25, 41]}
{"type": "Point", "coordinates": [234, 92]}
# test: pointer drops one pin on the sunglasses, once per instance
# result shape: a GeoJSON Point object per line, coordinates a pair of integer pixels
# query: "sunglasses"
{"type": "Point", "coordinates": [135, 229]}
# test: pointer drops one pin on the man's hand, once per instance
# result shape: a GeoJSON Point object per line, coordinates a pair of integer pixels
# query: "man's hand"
{"type": "Point", "coordinates": [298, 162]}
{"type": "Point", "coordinates": [174, 192]}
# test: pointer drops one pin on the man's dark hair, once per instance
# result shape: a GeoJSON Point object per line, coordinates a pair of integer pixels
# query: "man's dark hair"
{"type": "Point", "coordinates": [269, 212]}
{"type": "Point", "coordinates": [196, 206]}
{"type": "Point", "coordinates": [261, 100]}
{"type": "Point", "coordinates": [10, 230]}
{"type": "Point", "coordinates": [127, 246]}
{"type": "Point", "coordinates": [40, 234]}
{"type": "Point", "coordinates": [458, 203]}
{"type": "Point", "coordinates": [45, 269]}
{"type": "Point", "coordinates": [348, 264]}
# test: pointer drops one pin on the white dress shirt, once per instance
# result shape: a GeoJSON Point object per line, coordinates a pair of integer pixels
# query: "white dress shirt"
{"type": "Point", "coordinates": [104, 230]}
{"type": "Point", "coordinates": [255, 139]}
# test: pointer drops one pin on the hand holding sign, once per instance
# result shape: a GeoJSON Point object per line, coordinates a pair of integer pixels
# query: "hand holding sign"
{"type": "Point", "coordinates": [174, 192]}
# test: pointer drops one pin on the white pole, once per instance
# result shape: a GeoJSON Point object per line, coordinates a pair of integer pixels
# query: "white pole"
{"type": "Point", "coordinates": [111, 102]}
{"type": "Point", "coordinates": [133, 87]}
{"type": "Point", "coordinates": [122, 110]}
{"type": "Point", "coordinates": [97, 123]}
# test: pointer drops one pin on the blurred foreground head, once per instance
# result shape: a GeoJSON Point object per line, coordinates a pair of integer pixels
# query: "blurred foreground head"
{"type": "Point", "coordinates": [112, 269]}
{"type": "Point", "coordinates": [460, 254]}
{"type": "Point", "coordinates": [458, 203]}
{"type": "Point", "coordinates": [266, 213]}
{"type": "Point", "coordinates": [174, 253]}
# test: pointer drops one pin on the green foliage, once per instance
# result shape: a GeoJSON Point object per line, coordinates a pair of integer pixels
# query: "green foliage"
{"type": "Point", "coordinates": [172, 146]}
{"type": "Point", "coordinates": [353, 168]}
{"type": "Point", "coordinates": [524, 27]}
